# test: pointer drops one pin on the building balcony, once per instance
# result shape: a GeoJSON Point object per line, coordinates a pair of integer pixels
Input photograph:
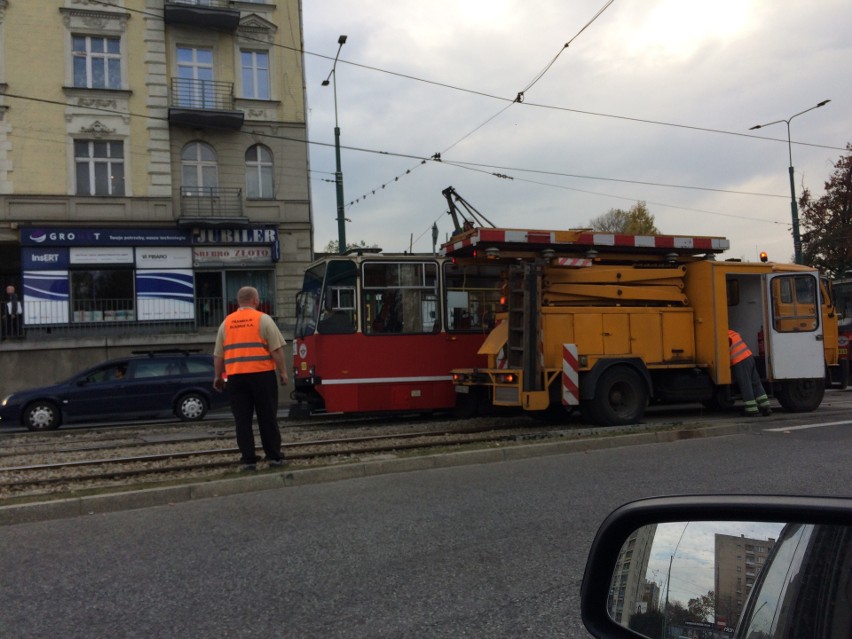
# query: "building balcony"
{"type": "Point", "coordinates": [204, 103]}
{"type": "Point", "coordinates": [205, 14]}
{"type": "Point", "coordinates": [205, 206]}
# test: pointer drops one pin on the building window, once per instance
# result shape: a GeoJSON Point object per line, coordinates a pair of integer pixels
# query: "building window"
{"type": "Point", "coordinates": [97, 62]}
{"type": "Point", "coordinates": [255, 68]}
{"type": "Point", "coordinates": [199, 173]}
{"type": "Point", "coordinates": [99, 166]}
{"type": "Point", "coordinates": [259, 172]}
{"type": "Point", "coordinates": [195, 72]}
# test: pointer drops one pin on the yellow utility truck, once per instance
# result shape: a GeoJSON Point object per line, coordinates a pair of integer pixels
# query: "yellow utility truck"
{"type": "Point", "coordinates": [610, 322]}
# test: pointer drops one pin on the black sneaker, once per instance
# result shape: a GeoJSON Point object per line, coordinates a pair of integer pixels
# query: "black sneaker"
{"type": "Point", "coordinates": [248, 467]}
{"type": "Point", "coordinates": [766, 411]}
{"type": "Point", "coordinates": [277, 463]}
{"type": "Point", "coordinates": [748, 413]}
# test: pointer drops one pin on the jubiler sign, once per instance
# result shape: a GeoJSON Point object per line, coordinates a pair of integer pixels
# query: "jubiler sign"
{"type": "Point", "coordinates": [232, 255]}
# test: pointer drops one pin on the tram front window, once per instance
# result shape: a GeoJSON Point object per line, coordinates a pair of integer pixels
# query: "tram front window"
{"type": "Point", "coordinates": [307, 301]}
{"type": "Point", "coordinates": [338, 299]}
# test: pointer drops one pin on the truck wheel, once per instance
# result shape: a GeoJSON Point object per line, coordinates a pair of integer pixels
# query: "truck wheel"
{"type": "Point", "coordinates": [556, 413]}
{"type": "Point", "coordinates": [800, 395]}
{"type": "Point", "coordinates": [721, 400]}
{"type": "Point", "coordinates": [620, 397]}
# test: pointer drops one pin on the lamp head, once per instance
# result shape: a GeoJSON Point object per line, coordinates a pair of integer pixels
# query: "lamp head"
{"type": "Point", "coordinates": [341, 40]}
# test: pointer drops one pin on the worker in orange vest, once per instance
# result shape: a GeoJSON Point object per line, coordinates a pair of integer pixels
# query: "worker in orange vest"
{"type": "Point", "coordinates": [755, 400]}
{"type": "Point", "coordinates": [249, 348]}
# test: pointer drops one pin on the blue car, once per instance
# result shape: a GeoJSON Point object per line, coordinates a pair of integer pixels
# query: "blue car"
{"type": "Point", "coordinates": [153, 384]}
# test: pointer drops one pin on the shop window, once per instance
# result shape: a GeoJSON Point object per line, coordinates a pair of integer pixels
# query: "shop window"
{"type": "Point", "coordinates": [96, 62]}
{"type": "Point", "coordinates": [259, 172]}
{"type": "Point", "coordinates": [261, 280]}
{"type": "Point", "coordinates": [99, 167]}
{"type": "Point", "coordinates": [104, 295]}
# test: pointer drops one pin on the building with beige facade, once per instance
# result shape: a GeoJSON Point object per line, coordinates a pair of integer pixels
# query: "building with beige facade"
{"type": "Point", "coordinates": [738, 562]}
{"type": "Point", "coordinates": [153, 159]}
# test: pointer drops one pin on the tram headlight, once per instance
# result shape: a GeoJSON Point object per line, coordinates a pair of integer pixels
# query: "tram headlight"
{"type": "Point", "coordinates": [459, 378]}
{"type": "Point", "coordinates": [505, 378]}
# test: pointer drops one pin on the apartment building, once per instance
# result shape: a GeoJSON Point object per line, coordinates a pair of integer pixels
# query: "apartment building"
{"type": "Point", "coordinates": [631, 592]}
{"type": "Point", "coordinates": [153, 159]}
{"type": "Point", "coordinates": [738, 562]}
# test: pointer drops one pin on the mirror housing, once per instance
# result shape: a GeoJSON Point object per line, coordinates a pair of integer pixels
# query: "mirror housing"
{"type": "Point", "coordinates": [627, 519]}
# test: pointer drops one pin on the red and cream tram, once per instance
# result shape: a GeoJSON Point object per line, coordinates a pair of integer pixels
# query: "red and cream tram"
{"type": "Point", "coordinates": [381, 332]}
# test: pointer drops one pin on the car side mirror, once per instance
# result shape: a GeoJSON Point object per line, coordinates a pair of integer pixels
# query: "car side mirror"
{"type": "Point", "coordinates": [739, 566]}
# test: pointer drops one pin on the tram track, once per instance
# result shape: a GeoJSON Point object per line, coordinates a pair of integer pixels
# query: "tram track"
{"type": "Point", "coordinates": [90, 467]}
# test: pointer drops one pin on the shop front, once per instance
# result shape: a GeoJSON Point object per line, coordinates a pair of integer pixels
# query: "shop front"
{"type": "Point", "coordinates": [185, 278]}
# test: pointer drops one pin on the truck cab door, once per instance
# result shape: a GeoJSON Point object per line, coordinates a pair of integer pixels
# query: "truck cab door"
{"type": "Point", "coordinates": [795, 347]}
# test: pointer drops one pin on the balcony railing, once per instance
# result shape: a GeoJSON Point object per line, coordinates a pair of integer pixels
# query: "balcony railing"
{"type": "Point", "coordinates": [216, 14]}
{"type": "Point", "coordinates": [211, 202]}
{"type": "Point", "coordinates": [204, 103]}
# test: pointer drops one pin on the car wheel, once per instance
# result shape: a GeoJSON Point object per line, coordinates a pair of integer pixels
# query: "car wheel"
{"type": "Point", "coordinates": [191, 407]}
{"type": "Point", "coordinates": [41, 415]}
{"type": "Point", "coordinates": [620, 397]}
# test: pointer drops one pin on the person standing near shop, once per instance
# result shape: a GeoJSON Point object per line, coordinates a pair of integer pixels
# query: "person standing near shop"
{"type": "Point", "coordinates": [249, 348]}
{"type": "Point", "coordinates": [755, 400]}
{"type": "Point", "coordinates": [12, 314]}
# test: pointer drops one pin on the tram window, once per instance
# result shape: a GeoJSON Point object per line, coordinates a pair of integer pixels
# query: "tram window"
{"type": "Point", "coordinates": [473, 296]}
{"type": "Point", "coordinates": [794, 303]}
{"type": "Point", "coordinates": [400, 297]}
{"type": "Point", "coordinates": [338, 315]}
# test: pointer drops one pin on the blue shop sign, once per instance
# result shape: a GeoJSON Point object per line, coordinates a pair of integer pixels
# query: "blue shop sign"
{"type": "Point", "coordinates": [55, 236]}
{"type": "Point", "coordinates": [44, 259]}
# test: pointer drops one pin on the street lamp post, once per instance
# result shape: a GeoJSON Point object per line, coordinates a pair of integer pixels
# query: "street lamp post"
{"type": "Point", "coordinates": [338, 175]}
{"type": "Point", "coordinates": [794, 208]}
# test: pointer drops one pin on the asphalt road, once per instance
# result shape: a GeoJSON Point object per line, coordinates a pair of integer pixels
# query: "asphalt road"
{"type": "Point", "coordinates": [494, 550]}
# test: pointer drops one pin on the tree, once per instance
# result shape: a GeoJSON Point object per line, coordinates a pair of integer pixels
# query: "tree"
{"type": "Point", "coordinates": [635, 221]}
{"type": "Point", "coordinates": [331, 247]}
{"type": "Point", "coordinates": [702, 607]}
{"type": "Point", "coordinates": [827, 221]}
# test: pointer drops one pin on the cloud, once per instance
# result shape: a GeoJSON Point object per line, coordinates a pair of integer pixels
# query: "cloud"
{"type": "Point", "coordinates": [724, 65]}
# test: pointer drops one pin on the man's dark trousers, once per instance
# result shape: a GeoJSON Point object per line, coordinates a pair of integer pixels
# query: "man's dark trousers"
{"type": "Point", "coordinates": [250, 392]}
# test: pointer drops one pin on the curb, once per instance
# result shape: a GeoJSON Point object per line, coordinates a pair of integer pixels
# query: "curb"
{"type": "Point", "coordinates": [145, 498]}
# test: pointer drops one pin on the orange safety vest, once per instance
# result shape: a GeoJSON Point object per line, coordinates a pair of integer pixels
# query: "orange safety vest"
{"type": "Point", "coordinates": [739, 350]}
{"type": "Point", "coordinates": [245, 351]}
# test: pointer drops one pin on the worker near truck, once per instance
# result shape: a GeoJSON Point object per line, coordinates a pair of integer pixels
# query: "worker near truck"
{"type": "Point", "coordinates": [755, 400]}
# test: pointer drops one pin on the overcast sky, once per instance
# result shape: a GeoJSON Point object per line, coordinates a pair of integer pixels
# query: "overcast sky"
{"type": "Point", "coordinates": [418, 78]}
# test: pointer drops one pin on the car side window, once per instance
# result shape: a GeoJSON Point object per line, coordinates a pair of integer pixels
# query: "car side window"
{"type": "Point", "coordinates": [107, 373]}
{"type": "Point", "coordinates": [199, 366]}
{"type": "Point", "coordinates": [147, 368]}
{"type": "Point", "coordinates": [767, 605]}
